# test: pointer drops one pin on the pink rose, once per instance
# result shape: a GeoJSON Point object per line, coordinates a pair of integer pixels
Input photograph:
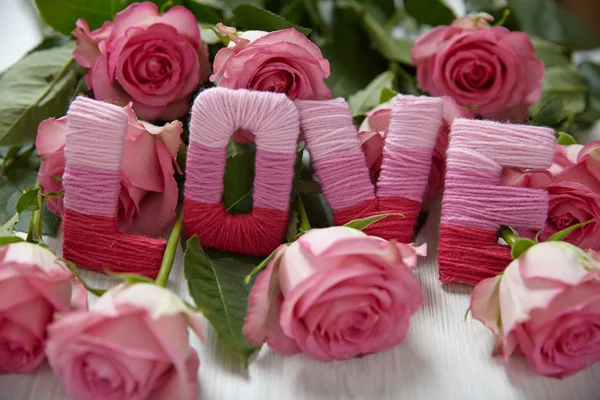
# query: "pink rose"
{"type": "Point", "coordinates": [149, 191]}
{"type": "Point", "coordinates": [373, 131]}
{"type": "Point", "coordinates": [573, 183]}
{"type": "Point", "coordinates": [335, 293]}
{"type": "Point", "coordinates": [134, 344]}
{"type": "Point", "coordinates": [490, 69]}
{"type": "Point", "coordinates": [155, 61]}
{"type": "Point", "coordinates": [282, 61]}
{"type": "Point", "coordinates": [34, 285]}
{"type": "Point", "coordinates": [547, 306]}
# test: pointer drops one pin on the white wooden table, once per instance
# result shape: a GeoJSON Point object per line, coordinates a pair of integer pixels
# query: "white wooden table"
{"type": "Point", "coordinates": [443, 357]}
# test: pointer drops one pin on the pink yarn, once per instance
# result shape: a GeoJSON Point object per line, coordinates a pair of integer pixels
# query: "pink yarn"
{"type": "Point", "coordinates": [344, 179]}
{"type": "Point", "coordinates": [82, 183]}
{"type": "Point", "coordinates": [94, 148]}
{"type": "Point", "coordinates": [339, 163]}
{"type": "Point", "coordinates": [475, 202]}
{"type": "Point", "coordinates": [205, 184]}
{"type": "Point", "coordinates": [219, 112]}
{"type": "Point", "coordinates": [404, 172]}
{"type": "Point", "coordinates": [274, 121]}
{"type": "Point", "coordinates": [99, 126]}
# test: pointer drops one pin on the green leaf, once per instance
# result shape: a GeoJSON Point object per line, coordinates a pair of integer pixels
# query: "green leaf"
{"type": "Point", "coordinates": [216, 283]}
{"type": "Point", "coordinates": [362, 223]}
{"type": "Point", "coordinates": [19, 177]}
{"type": "Point", "coordinates": [8, 227]}
{"type": "Point", "coordinates": [35, 88]}
{"type": "Point", "coordinates": [591, 74]}
{"type": "Point", "coordinates": [551, 54]}
{"type": "Point", "coordinates": [263, 264]}
{"type": "Point", "coordinates": [9, 239]}
{"type": "Point", "coordinates": [239, 177]}
{"type": "Point", "coordinates": [347, 44]}
{"type": "Point", "coordinates": [129, 279]}
{"type": "Point", "coordinates": [548, 20]}
{"type": "Point", "coordinates": [387, 94]}
{"type": "Point", "coordinates": [520, 247]}
{"type": "Point", "coordinates": [293, 11]}
{"type": "Point", "coordinates": [28, 201]}
{"type": "Point", "coordinates": [75, 271]}
{"type": "Point", "coordinates": [566, 85]}
{"type": "Point", "coordinates": [249, 17]}
{"type": "Point", "coordinates": [561, 235]}
{"type": "Point", "coordinates": [62, 14]}
{"type": "Point", "coordinates": [565, 139]}
{"type": "Point", "coordinates": [206, 11]}
{"type": "Point", "coordinates": [550, 114]}
{"type": "Point", "coordinates": [429, 12]}
{"type": "Point", "coordinates": [392, 48]}
{"type": "Point", "coordinates": [473, 6]}
{"type": "Point", "coordinates": [364, 100]}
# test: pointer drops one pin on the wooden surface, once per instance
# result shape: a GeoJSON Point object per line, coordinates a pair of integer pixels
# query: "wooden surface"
{"type": "Point", "coordinates": [443, 357]}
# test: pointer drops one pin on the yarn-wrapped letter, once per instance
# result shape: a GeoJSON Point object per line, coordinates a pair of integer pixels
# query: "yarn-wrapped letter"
{"type": "Point", "coordinates": [92, 181]}
{"type": "Point", "coordinates": [339, 162]}
{"type": "Point", "coordinates": [216, 115]}
{"type": "Point", "coordinates": [475, 205]}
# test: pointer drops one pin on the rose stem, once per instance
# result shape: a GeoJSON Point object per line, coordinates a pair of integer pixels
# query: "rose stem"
{"type": "Point", "coordinates": [302, 216]}
{"type": "Point", "coordinates": [509, 236]}
{"type": "Point", "coordinates": [167, 262]}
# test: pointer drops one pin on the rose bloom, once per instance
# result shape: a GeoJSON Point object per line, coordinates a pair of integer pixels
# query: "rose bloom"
{"type": "Point", "coordinates": [149, 192]}
{"type": "Point", "coordinates": [34, 285]}
{"type": "Point", "coordinates": [546, 305]}
{"type": "Point", "coordinates": [134, 344]}
{"type": "Point", "coordinates": [490, 69]}
{"type": "Point", "coordinates": [335, 293]}
{"type": "Point", "coordinates": [283, 61]}
{"type": "Point", "coordinates": [573, 183]}
{"type": "Point", "coordinates": [373, 131]}
{"type": "Point", "coordinates": [155, 61]}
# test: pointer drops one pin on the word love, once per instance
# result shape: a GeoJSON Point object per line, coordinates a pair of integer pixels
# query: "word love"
{"type": "Point", "coordinates": [473, 202]}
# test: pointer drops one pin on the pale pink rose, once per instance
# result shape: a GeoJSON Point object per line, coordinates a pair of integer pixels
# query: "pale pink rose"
{"type": "Point", "coordinates": [573, 183]}
{"type": "Point", "coordinates": [564, 156]}
{"type": "Point", "coordinates": [373, 131]}
{"type": "Point", "coordinates": [34, 285]}
{"type": "Point", "coordinates": [283, 61]}
{"type": "Point", "coordinates": [149, 192]}
{"type": "Point", "coordinates": [490, 69]}
{"type": "Point", "coordinates": [546, 305]}
{"type": "Point", "coordinates": [134, 344]}
{"type": "Point", "coordinates": [335, 293]}
{"type": "Point", "coordinates": [155, 61]}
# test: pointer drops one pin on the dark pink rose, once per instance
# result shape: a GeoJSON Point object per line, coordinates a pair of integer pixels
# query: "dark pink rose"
{"type": "Point", "coordinates": [282, 61]}
{"type": "Point", "coordinates": [491, 70]}
{"type": "Point", "coordinates": [155, 61]}
{"type": "Point", "coordinates": [34, 286]}
{"type": "Point", "coordinates": [373, 130]}
{"type": "Point", "coordinates": [149, 192]}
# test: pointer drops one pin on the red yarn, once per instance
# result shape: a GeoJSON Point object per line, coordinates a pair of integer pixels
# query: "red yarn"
{"type": "Point", "coordinates": [469, 255]}
{"type": "Point", "coordinates": [257, 233]}
{"type": "Point", "coordinates": [400, 228]}
{"type": "Point", "coordinates": [93, 242]}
